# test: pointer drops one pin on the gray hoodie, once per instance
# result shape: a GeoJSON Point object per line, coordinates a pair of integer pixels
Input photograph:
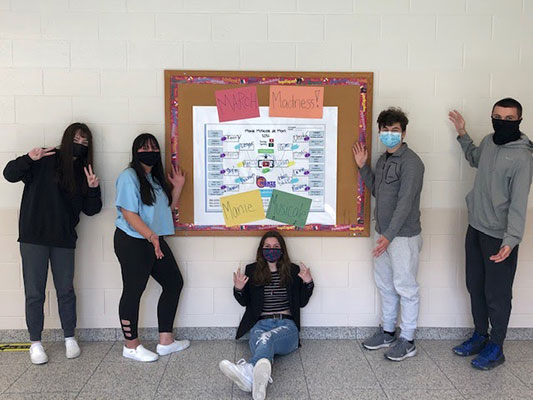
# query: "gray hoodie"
{"type": "Point", "coordinates": [396, 185]}
{"type": "Point", "coordinates": [497, 204]}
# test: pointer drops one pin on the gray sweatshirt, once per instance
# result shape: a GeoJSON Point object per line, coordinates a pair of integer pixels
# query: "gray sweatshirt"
{"type": "Point", "coordinates": [396, 185]}
{"type": "Point", "coordinates": [497, 204]}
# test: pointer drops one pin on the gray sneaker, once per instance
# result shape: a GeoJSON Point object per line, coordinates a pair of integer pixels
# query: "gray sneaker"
{"type": "Point", "coordinates": [401, 350]}
{"type": "Point", "coordinates": [379, 340]}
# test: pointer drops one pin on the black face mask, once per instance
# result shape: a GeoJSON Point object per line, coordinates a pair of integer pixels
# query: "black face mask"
{"type": "Point", "coordinates": [505, 131]}
{"type": "Point", "coordinates": [79, 150]}
{"type": "Point", "coordinates": [149, 158]}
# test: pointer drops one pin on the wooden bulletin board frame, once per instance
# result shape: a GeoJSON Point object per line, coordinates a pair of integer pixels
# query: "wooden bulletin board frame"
{"type": "Point", "coordinates": [351, 92]}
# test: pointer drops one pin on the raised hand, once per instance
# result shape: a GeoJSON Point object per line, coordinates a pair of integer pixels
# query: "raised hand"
{"type": "Point", "coordinates": [176, 177]}
{"type": "Point", "coordinates": [92, 179]}
{"type": "Point", "coordinates": [38, 153]}
{"type": "Point", "coordinates": [360, 154]}
{"type": "Point", "coordinates": [458, 121]}
{"type": "Point", "coordinates": [239, 280]}
{"type": "Point", "coordinates": [304, 273]}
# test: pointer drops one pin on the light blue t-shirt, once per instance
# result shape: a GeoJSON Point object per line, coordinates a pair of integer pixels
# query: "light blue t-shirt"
{"type": "Point", "coordinates": [158, 216]}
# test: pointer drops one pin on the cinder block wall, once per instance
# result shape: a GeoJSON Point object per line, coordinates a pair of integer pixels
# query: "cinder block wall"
{"type": "Point", "coordinates": [102, 62]}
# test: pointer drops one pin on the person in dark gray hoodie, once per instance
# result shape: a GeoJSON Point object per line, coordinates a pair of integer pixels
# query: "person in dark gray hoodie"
{"type": "Point", "coordinates": [497, 208]}
{"type": "Point", "coordinates": [396, 185]}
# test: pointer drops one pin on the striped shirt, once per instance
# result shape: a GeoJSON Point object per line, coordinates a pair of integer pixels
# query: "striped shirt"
{"type": "Point", "coordinates": [276, 297]}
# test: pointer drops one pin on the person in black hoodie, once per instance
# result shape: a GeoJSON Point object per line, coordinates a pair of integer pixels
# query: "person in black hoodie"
{"type": "Point", "coordinates": [58, 185]}
{"type": "Point", "coordinates": [273, 290]}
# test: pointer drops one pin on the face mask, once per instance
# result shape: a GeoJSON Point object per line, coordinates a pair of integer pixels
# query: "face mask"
{"type": "Point", "coordinates": [272, 255]}
{"type": "Point", "coordinates": [149, 158]}
{"type": "Point", "coordinates": [390, 139]}
{"type": "Point", "coordinates": [505, 131]}
{"type": "Point", "coordinates": [79, 150]}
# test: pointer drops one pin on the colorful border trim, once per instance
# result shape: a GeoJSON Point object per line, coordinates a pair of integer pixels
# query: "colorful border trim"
{"type": "Point", "coordinates": [175, 80]}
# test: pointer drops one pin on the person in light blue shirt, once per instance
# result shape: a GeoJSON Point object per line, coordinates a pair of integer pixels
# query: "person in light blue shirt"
{"type": "Point", "coordinates": [144, 202]}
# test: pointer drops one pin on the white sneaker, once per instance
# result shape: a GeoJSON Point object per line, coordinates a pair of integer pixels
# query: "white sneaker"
{"type": "Point", "coordinates": [72, 348]}
{"type": "Point", "coordinates": [178, 345]}
{"type": "Point", "coordinates": [241, 373]}
{"type": "Point", "coordinates": [262, 371]}
{"type": "Point", "coordinates": [139, 354]}
{"type": "Point", "coordinates": [37, 354]}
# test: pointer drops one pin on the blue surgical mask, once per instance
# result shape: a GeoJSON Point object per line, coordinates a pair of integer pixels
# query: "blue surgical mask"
{"type": "Point", "coordinates": [390, 139]}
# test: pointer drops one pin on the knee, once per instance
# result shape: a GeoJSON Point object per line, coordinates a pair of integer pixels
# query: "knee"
{"type": "Point", "coordinates": [407, 290]}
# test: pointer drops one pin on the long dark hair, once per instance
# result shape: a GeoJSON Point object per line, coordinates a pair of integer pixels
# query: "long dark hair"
{"type": "Point", "coordinates": [147, 191]}
{"type": "Point", "coordinates": [65, 173]}
{"type": "Point", "coordinates": [262, 275]}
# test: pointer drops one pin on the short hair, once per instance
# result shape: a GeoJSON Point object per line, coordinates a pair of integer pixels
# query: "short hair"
{"type": "Point", "coordinates": [392, 115]}
{"type": "Point", "coordinates": [509, 102]}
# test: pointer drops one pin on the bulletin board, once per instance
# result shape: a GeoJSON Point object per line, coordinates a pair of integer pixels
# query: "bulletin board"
{"type": "Point", "coordinates": [348, 94]}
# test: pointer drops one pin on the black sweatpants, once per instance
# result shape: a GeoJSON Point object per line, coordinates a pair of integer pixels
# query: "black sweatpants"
{"type": "Point", "coordinates": [35, 260]}
{"type": "Point", "coordinates": [490, 284]}
{"type": "Point", "coordinates": [137, 260]}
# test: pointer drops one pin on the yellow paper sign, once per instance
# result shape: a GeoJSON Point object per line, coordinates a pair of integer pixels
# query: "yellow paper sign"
{"type": "Point", "coordinates": [241, 208]}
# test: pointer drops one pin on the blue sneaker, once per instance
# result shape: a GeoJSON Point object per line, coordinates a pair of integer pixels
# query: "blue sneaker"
{"type": "Point", "coordinates": [491, 356]}
{"type": "Point", "coordinates": [472, 346]}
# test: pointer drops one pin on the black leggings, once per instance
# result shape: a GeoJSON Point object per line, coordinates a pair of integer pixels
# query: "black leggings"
{"type": "Point", "coordinates": [137, 261]}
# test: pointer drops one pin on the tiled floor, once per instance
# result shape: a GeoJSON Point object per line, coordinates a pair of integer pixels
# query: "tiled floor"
{"type": "Point", "coordinates": [320, 369]}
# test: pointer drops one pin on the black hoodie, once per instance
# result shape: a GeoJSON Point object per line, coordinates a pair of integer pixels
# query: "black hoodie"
{"type": "Point", "coordinates": [48, 214]}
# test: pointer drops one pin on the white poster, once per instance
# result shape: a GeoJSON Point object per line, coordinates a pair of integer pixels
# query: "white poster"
{"type": "Point", "coordinates": [295, 155]}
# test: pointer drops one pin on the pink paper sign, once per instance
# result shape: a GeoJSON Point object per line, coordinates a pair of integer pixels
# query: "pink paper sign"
{"type": "Point", "coordinates": [238, 103]}
{"type": "Point", "coordinates": [296, 101]}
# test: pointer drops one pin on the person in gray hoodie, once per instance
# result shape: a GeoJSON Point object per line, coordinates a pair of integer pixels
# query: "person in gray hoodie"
{"type": "Point", "coordinates": [497, 208]}
{"type": "Point", "coordinates": [396, 185]}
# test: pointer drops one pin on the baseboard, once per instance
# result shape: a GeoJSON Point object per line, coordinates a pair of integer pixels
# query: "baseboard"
{"type": "Point", "coordinates": [218, 333]}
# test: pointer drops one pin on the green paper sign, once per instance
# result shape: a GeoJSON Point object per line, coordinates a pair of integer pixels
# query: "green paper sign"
{"type": "Point", "coordinates": [288, 208]}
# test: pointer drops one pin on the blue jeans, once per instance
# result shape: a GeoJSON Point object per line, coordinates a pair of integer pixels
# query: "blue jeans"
{"type": "Point", "coordinates": [269, 337]}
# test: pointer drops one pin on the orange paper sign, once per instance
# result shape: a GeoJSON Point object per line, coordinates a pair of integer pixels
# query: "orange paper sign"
{"type": "Point", "coordinates": [296, 101]}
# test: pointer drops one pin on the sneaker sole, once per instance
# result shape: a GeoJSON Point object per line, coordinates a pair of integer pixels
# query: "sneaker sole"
{"type": "Point", "coordinates": [380, 346]}
{"type": "Point", "coordinates": [72, 356]}
{"type": "Point", "coordinates": [491, 366]}
{"type": "Point", "coordinates": [136, 359]}
{"type": "Point", "coordinates": [39, 362]}
{"type": "Point", "coordinates": [412, 353]}
{"type": "Point", "coordinates": [261, 376]}
{"type": "Point", "coordinates": [163, 353]}
{"type": "Point", "coordinates": [230, 373]}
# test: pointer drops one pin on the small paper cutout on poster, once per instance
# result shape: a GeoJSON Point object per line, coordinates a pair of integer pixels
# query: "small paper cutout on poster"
{"type": "Point", "coordinates": [238, 103]}
{"type": "Point", "coordinates": [296, 101]}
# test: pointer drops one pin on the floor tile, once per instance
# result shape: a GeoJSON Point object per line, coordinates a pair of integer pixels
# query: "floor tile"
{"type": "Point", "coordinates": [440, 349]}
{"type": "Point", "coordinates": [54, 377]}
{"type": "Point", "coordinates": [9, 373]}
{"type": "Point", "coordinates": [335, 349]}
{"type": "Point", "coordinates": [462, 375]}
{"type": "Point", "coordinates": [139, 380]}
{"type": "Point", "coordinates": [523, 370]}
{"type": "Point", "coordinates": [90, 352]}
{"type": "Point", "coordinates": [39, 396]}
{"type": "Point", "coordinates": [410, 375]}
{"type": "Point", "coordinates": [424, 394]}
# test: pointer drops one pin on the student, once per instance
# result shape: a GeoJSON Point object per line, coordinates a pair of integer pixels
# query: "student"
{"type": "Point", "coordinates": [273, 290]}
{"type": "Point", "coordinates": [58, 185]}
{"type": "Point", "coordinates": [396, 185]}
{"type": "Point", "coordinates": [144, 203]}
{"type": "Point", "coordinates": [497, 208]}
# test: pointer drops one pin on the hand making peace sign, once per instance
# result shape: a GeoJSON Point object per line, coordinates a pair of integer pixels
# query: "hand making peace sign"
{"type": "Point", "coordinates": [92, 179]}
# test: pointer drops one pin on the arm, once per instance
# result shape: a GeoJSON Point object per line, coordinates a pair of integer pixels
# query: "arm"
{"type": "Point", "coordinates": [410, 185]}
{"type": "Point", "coordinates": [92, 203]}
{"type": "Point", "coordinates": [360, 155]}
{"type": "Point", "coordinates": [516, 217]}
{"type": "Point", "coordinates": [472, 152]}
{"type": "Point", "coordinates": [177, 178]}
{"type": "Point", "coordinates": [240, 288]}
{"type": "Point", "coordinates": [19, 169]}
{"type": "Point", "coordinates": [305, 284]}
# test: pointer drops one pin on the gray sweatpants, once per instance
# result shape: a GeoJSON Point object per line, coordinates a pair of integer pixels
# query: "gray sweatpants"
{"type": "Point", "coordinates": [35, 271]}
{"type": "Point", "coordinates": [395, 275]}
